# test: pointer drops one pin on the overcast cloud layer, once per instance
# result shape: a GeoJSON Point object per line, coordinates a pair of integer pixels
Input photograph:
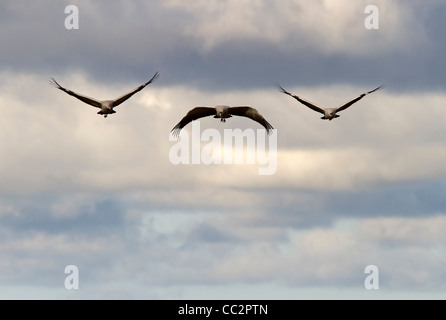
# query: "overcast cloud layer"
{"type": "Point", "coordinates": [365, 189]}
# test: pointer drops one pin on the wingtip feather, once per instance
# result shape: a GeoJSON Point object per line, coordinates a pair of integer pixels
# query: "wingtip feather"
{"type": "Point", "coordinates": [54, 83]}
{"type": "Point", "coordinates": [280, 88]}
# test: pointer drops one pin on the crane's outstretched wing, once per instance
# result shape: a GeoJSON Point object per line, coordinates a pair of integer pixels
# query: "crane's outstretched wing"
{"type": "Point", "coordinates": [124, 97]}
{"type": "Point", "coordinates": [88, 100]}
{"type": "Point", "coordinates": [348, 104]}
{"type": "Point", "coordinates": [194, 114]}
{"type": "Point", "coordinates": [250, 112]}
{"type": "Point", "coordinates": [303, 101]}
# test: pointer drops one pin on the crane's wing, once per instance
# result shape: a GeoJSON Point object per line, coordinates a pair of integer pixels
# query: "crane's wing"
{"type": "Point", "coordinates": [250, 112]}
{"type": "Point", "coordinates": [303, 101]}
{"type": "Point", "coordinates": [194, 114]}
{"type": "Point", "coordinates": [88, 100]}
{"type": "Point", "coordinates": [348, 104]}
{"type": "Point", "coordinates": [124, 97]}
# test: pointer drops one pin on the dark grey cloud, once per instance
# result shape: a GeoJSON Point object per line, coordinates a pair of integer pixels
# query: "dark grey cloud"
{"type": "Point", "coordinates": [103, 218]}
{"type": "Point", "coordinates": [122, 41]}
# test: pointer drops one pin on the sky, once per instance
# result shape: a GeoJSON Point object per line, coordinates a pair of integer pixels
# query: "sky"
{"type": "Point", "coordinates": [102, 194]}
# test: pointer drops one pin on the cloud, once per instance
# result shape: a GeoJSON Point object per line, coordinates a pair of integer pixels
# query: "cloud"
{"type": "Point", "coordinates": [76, 188]}
{"type": "Point", "coordinates": [414, 231]}
{"type": "Point", "coordinates": [395, 140]}
{"type": "Point", "coordinates": [333, 256]}
{"type": "Point", "coordinates": [327, 26]}
{"type": "Point", "coordinates": [228, 44]}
